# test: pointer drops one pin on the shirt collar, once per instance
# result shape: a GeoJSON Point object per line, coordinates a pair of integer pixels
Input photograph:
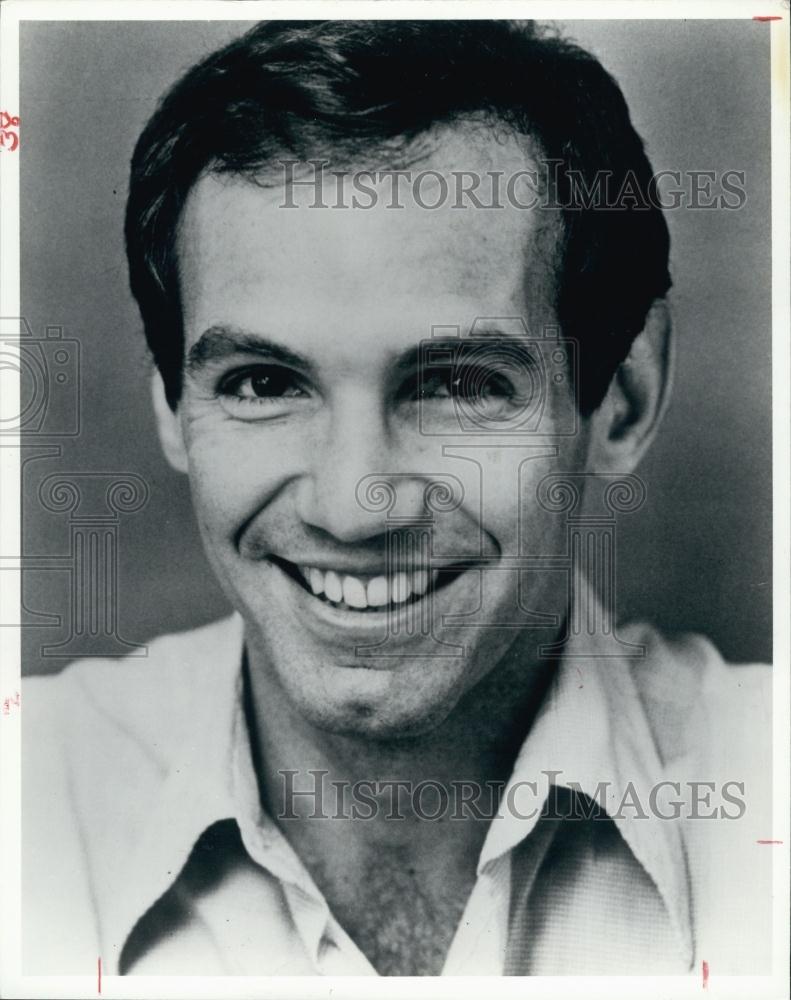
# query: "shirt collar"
{"type": "Point", "coordinates": [591, 728]}
{"type": "Point", "coordinates": [212, 778]}
{"type": "Point", "coordinates": [592, 734]}
{"type": "Point", "coordinates": [195, 792]}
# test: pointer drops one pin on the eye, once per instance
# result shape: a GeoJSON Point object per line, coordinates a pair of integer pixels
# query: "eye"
{"type": "Point", "coordinates": [260, 391]}
{"type": "Point", "coordinates": [474, 385]}
{"type": "Point", "coordinates": [470, 383]}
{"type": "Point", "coordinates": [485, 391]}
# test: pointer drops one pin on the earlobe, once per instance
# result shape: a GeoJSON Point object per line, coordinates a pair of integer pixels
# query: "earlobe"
{"type": "Point", "coordinates": [627, 421]}
{"type": "Point", "coordinates": [168, 425]}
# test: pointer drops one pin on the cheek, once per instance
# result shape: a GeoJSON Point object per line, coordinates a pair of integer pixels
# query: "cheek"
{"type": "Point", "coordinates": [501, 487]}
{"type": "Point", "coordinates": [233, 473]}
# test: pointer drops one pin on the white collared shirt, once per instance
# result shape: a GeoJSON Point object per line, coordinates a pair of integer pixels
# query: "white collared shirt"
{"type": "Point", "coordinates": [145, 842]}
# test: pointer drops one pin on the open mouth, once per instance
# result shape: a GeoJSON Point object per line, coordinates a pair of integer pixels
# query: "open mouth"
{"type": "Point", "coordinates": [366, 594]}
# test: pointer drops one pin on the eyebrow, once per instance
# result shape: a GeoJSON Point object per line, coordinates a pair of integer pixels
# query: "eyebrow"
{"type": "Point", "coordinates": [222, 341]}
{"type": "Point", "coordinates": [462, 346]}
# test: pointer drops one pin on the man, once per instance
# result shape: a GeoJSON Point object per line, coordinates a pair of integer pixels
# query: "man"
{"type": "Point", "coordinates": [403, 353]}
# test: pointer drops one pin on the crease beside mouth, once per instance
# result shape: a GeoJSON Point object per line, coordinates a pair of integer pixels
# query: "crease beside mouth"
{"type": "Point", "coordinates": [369, 593]}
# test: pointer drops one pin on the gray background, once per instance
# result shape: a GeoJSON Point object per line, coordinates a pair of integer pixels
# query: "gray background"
{"type": "Point", "coordinates": [696, 557]}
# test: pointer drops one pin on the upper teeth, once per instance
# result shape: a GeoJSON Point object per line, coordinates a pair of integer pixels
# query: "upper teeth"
{"type": "Point", "coordinates": [371, 593]}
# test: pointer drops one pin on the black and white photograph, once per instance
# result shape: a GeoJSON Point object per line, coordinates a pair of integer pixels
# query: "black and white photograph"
{"type": "Point", "coordinates": [394, 444]}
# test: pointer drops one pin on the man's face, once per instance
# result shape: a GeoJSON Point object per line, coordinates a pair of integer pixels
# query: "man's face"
{"type": "Point", "coordinates": [303, 387]}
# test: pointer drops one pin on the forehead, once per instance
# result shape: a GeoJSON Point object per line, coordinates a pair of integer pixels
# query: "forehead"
{"type": "Point", "coordinates": [246, 258]}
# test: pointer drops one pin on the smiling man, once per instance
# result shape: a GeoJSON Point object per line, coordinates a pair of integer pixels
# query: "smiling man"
{"type": "Point", "coordinates": [419, 746]}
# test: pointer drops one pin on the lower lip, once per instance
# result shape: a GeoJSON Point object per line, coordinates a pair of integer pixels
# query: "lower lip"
{"type": "Point", "coordinates": [364, 625]}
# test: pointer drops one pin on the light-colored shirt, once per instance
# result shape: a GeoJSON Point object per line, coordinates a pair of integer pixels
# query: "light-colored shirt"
{"type": "Point", "coordinates": [145, 842]}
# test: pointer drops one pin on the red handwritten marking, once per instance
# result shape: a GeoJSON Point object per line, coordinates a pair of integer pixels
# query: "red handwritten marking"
{"type": "Point", "coordinates": [8, 123]}
{"type": "Point", "coordinates": [9, 703]}
{"type": "Point", "coordinates": [769, 841]}
{"type": "Point", "coordinates": [99, 968]}
{"type": "Point", "coordinates": [705, 975]}
{"type": "Point", "coordinates": [767, 17]}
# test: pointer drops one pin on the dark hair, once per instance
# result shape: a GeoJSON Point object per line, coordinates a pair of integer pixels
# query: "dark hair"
{"type": "Point", "coordinates": [291, 89]}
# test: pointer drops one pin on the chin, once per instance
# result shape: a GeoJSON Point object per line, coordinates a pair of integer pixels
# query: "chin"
{"type": "Point", "coordinates": [376, 704]}
{"type": "Point", "coordinates": [361, 720]}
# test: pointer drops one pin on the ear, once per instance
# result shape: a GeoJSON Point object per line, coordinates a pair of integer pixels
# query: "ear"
{"type": "Point", "coordinates": [626, 423]}
{"type": "Point", "coordinates": [168, 425]}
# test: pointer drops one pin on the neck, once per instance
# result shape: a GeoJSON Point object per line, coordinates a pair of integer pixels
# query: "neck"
{"type": "Point", "coordinates": [469, 756]}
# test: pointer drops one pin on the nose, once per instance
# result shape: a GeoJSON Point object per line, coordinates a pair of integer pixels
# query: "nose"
{"type": "Point", "coordinates": [339, 494]}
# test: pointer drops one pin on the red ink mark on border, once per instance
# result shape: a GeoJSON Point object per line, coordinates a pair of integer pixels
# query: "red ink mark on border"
{"type": "Point", "coordinates": [99, 973]}
{"type": "Point", "coordinates": [705, 975]}
{"type": "Point", "coordinates": [9, 703]}
{"type": "Point", "coordinates": [769, 841]}
{"type": "Point", "coordinates": [8, 126]}
{"type": "Point", "coordinates": [768, 17]}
